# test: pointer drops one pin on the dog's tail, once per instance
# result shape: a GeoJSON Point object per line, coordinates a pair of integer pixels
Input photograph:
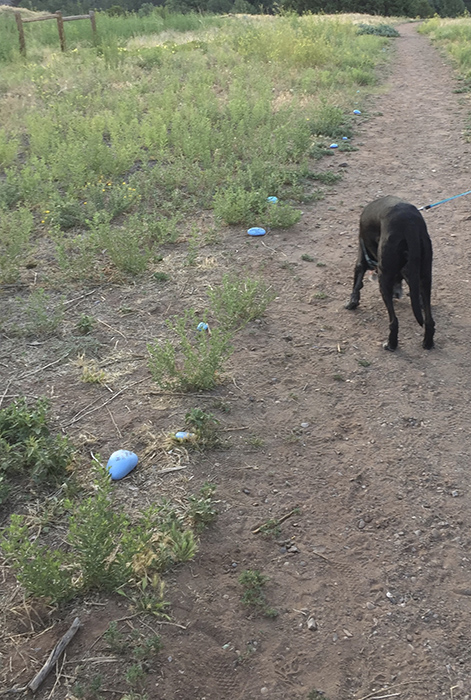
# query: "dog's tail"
{"type": "Point", "coordinates": [414, 282]}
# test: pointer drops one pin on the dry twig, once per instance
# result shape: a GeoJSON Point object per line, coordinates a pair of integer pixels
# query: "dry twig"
{"type": "Point", "coordinates": [279, 520]}
{"type": "Point", "coordinates": [54, 656]}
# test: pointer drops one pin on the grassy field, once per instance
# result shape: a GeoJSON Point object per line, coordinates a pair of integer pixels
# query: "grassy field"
{"type": "Point", "coordinates": [113, 156]}
{"type": "Point", "coordinates": [454, 35]}
{"type": "Point", "coordinates": [123, 143]}
{"type": "Point", "coordinates": [164, 132]}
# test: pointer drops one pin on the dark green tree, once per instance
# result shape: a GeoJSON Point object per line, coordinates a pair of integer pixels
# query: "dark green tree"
{"type": "Point", "coordinates": [452, 8]}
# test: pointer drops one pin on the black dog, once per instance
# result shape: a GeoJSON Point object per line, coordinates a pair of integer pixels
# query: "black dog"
{"type": "Point", "coordinates": [395, 242]}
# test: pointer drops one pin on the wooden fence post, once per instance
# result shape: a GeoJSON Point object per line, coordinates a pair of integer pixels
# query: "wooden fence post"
{"type": "Point", "coordinates": [60, 27]}
{"type": "Point", "coordinates": [93, 23]}
{"type": "Point", "coordinates": [19, 24]}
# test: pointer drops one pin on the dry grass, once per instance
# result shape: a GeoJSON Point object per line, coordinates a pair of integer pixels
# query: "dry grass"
{"type": "Point", "coordinates": [6, 9]}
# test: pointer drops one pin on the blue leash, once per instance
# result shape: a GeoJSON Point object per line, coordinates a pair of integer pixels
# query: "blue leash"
{"type": "Point", "coordinates": [429, 206]}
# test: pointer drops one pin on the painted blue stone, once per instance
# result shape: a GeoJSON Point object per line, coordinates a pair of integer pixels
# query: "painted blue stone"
{"type": "Point", "coordinates": [184, 435]}
{"type": "Point", "coordinates": [334, 145]}
{"type": "Point", "coordinates": [202, 326]}
{"type": "Point", "coordinates": [121, 463]}
{"type": "Point", "coordinates": [256, 231]}
{"type": "Point", "coordinates": [273, 200]}
{"type": "Point", "coordinates": [356, 111]}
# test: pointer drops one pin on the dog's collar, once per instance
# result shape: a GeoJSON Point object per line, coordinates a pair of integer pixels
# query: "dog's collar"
{"type": "Point", "coordinates": [372, 264]}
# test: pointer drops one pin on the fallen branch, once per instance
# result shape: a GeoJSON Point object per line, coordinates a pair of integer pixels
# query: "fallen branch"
{"type": "Point", "coordinates": [370, 696]}
{"type": "Point", "coordinates": [322, 556]}
{"type": "Point", "coordinates": [14, 690]}
{"type": "Point", "coordinates": [82, 414]}
{"type": "Point", "coordinates": [5, 392]}
{"type": "Point", "coordinates": [115, 330]}
{"type": "Point", "coordinates": [54, 655]}
{"type": "Point", "coordinates": [77, 299]}
{"type": "Point", "coordinates": [295, 511]}
{"type": "Point", "coordinates": [170, 469]}
{"type": "Point", "coordinates": [40, 369]}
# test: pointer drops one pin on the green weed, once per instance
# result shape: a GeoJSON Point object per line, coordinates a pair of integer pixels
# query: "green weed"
{"type": "Point", "coordinates": [328, 120]}
{"type": "Point", "coordinates": [161, 276]}
{"type": "Point", "coordinates": [15, 232]}
{"type": "Point", "coordinates": [89, 690]}
{"type": "Point", "coordinates": [105, 550]}
{"type": "Point", "coordinates": [201, 511]}
{"type": "Point", "coordinates": [43, 317]}
{"type": "Point", "coordinates": [271, 528]}
{"type": "Point", "coordinates": [27, 446]}
{"type": "Point", "coordinates": [255, 441]}
{"type": "Point", "coordinates": [252, 581]}
{"type": "Point", "coordinates": [193, 360]}
{"type": "Point", "coordinates": [236, 205]}
{"type": "Point", "coordinates": [135, 676]}
{"type": "Point", "coordinates": [205, 426]}
{"type": "Point", "coordinates": [236, 302]}
{"type": "Point", "coordinates": [115, 640]}
{"type": "Point", "coordinates": [85, 324]}
{"type": "Point", "coordinates": [316, 695]}
{"type": "Point", "coordinates": [282, 215]}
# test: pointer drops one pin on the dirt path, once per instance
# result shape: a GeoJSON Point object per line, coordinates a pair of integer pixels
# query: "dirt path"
{"type": "Point", "coordinates": [373, 447]}
{"type": "Point", "coordinates": [382, 471]}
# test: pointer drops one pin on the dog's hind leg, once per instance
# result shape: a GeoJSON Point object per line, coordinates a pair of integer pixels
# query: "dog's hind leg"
{"type": "Point", "coordinates": [360, 268]}
{"type": "Point", "coordinates": [386, 286]}
{"type": "Point", "coordinates": [429, 323]}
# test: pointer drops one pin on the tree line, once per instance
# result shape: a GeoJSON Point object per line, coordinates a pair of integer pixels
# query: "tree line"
{"type": "Point", "coordinates": [388, 8]}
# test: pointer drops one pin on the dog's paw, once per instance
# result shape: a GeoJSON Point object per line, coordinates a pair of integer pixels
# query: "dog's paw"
{"type": "Point", "coordinates": [428, 345]}
{"type": "Point", "coordinates": [352, 305]}
{"type": "Point", "coordinates": [387, 346]}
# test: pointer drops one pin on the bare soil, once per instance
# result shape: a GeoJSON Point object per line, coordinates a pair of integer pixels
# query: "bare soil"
{"type": "Point", "coordinates": [371, 446]}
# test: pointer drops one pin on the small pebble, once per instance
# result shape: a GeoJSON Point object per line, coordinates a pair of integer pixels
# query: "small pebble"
{"type": "Point", "coordinates": [311, 624]}
{"type": "Point", "coordinates": [305, 425]}
{"type": "Point", "coordinates": [264, 690]}
{"type": "Point", "coordinates": [361, 524]}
